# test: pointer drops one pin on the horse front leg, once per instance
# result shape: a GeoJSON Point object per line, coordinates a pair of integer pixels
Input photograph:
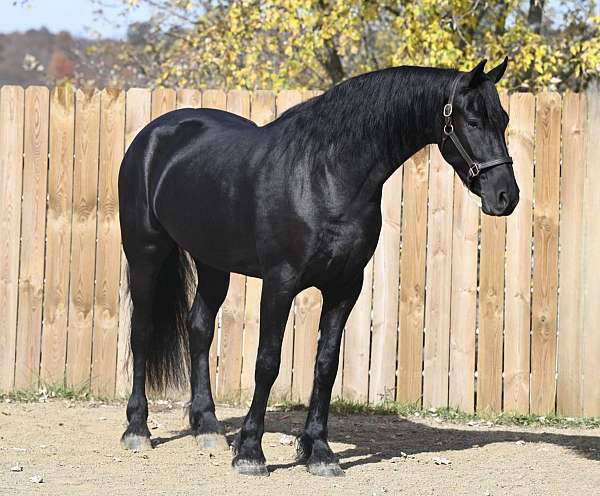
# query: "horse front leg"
{"type": "Point", "coordinates": [313, 447]}
{"type": "Point", "coordinates": [275, 303]}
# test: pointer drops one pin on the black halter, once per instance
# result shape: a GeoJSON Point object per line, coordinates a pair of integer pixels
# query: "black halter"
{"type": "Point", "coordinates": [474, 167]}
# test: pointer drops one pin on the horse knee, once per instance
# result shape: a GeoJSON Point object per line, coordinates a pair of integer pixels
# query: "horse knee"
{"type": "Point", "coordinates": [201, 330]}
{"type": "Point", "coordinates": [267, 365]}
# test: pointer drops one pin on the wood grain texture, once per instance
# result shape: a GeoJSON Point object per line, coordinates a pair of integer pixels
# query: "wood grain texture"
{"type": "Point", "coordinates": [436, 350]}
{"type": "Point", "coordinates": [491, 308]}
{"type": "Point", "coordinates": [58, 235]}
{"type": "Point", "coordinates": [188, 98]}
{"type": "Point", "coordinates": [83, 238]}
{"type": "Point", "coordinates": [591, 281]}
{"type": "Point", "coordinates": [517, 315]}
{"type": "Point", "coordinates": [357, 342]}
{"type": "Point", "coordinates": [12, 117]}
{"type": "Point", "coordinates": [386, 282]}
{"type": "Point", "coordinates": [308, 311]}
{"type": "Point", "coordinates": [461, 391]}
{"type": "Point", "coordinates": [163, 100]}
{"type": "Point", "coordinates": [108, 254]}
{"type": "Point", "coordinates": [545, 268]}
{"type": "Point", "coordinates": [569, 394]}
{"type": "Point", "coordinates": [33, 233]}
{"type": "Point", "coordinates": [411, 309]}
{"type": "Point", "coordinates": [491, 314]}
{"type": "Point", "coordinates": [138, 109]}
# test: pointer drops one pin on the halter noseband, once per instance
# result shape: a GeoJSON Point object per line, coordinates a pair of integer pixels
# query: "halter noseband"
{"type": "Point", "coordinates": [474, 167]}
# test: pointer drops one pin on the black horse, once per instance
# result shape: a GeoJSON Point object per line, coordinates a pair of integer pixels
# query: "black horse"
{"type": "Point", "coordinates": [296, 203]}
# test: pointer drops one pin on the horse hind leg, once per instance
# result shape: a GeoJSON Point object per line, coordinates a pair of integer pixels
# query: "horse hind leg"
{"type": "Point", "coordinates": [157, 282]}
{"type": "Point", "coordinates": [210, 294]}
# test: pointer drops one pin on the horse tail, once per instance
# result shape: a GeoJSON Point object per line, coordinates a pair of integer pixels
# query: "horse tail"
{"type": "Point", "coordinates": [167, 359]}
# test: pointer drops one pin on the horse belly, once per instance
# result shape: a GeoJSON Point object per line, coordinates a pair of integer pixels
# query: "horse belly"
{"type": "Point", "coordinates": [209, 220]}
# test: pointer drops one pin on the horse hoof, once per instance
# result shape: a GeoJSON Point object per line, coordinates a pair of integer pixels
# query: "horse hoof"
{"type": "Point", "coordinates": [212, 441]}
{"type": "Point", "coordinates": [326, 469]}
{"type": "Point", "coordinates": [250, 467]}
{"type": "Point", "coordinates": [135, 442]}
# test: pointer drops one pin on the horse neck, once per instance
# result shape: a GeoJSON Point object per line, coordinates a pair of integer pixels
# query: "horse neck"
{"type": "Point", "coordinates": [392, 126]}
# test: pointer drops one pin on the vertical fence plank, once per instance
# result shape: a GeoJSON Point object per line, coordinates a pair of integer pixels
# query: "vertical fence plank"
{"type": "Point", "coordinates": [357, 342]}
{"type": "Point", "coordinates": [163, 100]}
{"type": "Point", "coordinates": [437, 306]}
{"type": "Point", "coordinates": [308, 306]}
{"type": "Point", "coordinates": [12, 107]}
{"type": "Point", "coordinates": [108, 259]}
{"type": "Point", "coordinates": [491, 309]}
{"type": "Point", "coordinates": [591, 281]}
{"type": "Point", "coordinates": [232, 322]}
{"type": "Point", "coordinates": [187, 98]}
{"type": "Point", "coordinates": [491, 313]}
{"type": "Point", "coordinates": [33, 232]}
{"type": "Point", "coordinates": [263, 111]}
{"type": "Point", "coordinates": [83, 238]}
{"type": "Point", "coordinates": [411, 310]}
{"type": "Point", "coordinates": [282, 389]}
{"type": "Point", "coordinates": [570, 351]}
{"type": "Point", "coordinates": [138, 107]}
{"type": "Point", "coordinates": [545, 267]}
{"type": "Point", "coordinates": [386, 281]}
{"type": "Point", "coordinates": [461, 391]}
{"type": "Point", "coordinates": [518, 257]}
{"type": "Point", "coordinates": [58, 235]}
{"type": "Point", "coordinates": [238, 351]}
{"type": "Point", "coordinates": [308, 309]}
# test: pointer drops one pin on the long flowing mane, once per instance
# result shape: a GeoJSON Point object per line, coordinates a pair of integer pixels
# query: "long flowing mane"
{"type": "Point", "coordinates": [384, 108]}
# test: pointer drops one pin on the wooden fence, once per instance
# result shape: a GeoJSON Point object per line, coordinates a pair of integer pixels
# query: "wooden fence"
{"type": "Point", "coordinates": [457, 308]}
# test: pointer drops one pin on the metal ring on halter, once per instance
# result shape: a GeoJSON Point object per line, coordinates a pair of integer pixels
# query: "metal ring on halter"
{"type": "Point", "coordinates": [448, 110]}
{"type": "Point", "coordinates": [474, 170]}
{"type": "Point", "coordinates": [448, 129]}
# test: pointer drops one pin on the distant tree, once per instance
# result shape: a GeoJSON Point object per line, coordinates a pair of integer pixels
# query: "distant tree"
{"type": "Point", "coordinates": [316, 43]}
{"type": "Point", "coordinates": [61, 67]}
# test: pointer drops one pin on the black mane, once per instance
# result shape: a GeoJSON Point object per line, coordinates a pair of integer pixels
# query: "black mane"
{"type": "Point", "coordinates": [383, 111]}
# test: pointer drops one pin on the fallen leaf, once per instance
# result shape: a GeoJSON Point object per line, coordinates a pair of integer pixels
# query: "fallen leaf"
{"type": "Point", "coordinates": [286, 439]}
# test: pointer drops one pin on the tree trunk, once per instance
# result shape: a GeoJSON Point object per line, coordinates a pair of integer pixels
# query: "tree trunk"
{"type": "Point", "coordinates": [333, 64]}
{"type": "Point", "coordinates": [536, 11]}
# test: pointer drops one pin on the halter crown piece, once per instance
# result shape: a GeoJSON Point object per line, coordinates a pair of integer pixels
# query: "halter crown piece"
{"type": "Point", "coordinates": [474, 167]}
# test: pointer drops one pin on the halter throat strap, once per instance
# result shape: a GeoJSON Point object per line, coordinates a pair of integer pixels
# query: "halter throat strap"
{"type": "Point", "coordinates": [474, 167]}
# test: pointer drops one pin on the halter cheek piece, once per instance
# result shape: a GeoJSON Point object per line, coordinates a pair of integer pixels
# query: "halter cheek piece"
{"type": "Point", "coordinates": [474, 167]}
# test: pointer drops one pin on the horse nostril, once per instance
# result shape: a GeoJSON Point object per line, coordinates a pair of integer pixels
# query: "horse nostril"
{"type": "Point", "coordinates": [502, 200]}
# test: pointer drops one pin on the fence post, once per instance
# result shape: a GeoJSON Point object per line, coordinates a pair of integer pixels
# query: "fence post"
{"type": "Point", "coordinates": [591, 262]}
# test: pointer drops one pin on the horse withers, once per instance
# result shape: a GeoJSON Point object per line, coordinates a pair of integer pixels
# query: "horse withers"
{"type": "Point", "coordinates": [296, 202]}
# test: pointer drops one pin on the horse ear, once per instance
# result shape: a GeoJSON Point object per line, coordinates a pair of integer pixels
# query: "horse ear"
{"type": "Point", "coordinates": [476, 75]}
{"type": "Point", "coordinates": [497, 72]}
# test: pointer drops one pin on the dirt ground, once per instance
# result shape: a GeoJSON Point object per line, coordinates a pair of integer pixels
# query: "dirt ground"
{"type": "Point", "coordinates": [74, 447]}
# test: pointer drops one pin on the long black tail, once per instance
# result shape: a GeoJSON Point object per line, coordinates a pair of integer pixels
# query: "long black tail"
{"type": "Point", "coordinates": [168, 357]}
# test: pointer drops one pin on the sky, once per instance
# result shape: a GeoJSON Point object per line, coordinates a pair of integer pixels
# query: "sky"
{"type": "Point", "coordinates": [74, 16]}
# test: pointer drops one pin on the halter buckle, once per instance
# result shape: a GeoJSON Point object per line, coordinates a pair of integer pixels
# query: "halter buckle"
{"type": "Point", "coordinates": [448, 110]}
{"type": "Point", "coordinates": [474, 170]}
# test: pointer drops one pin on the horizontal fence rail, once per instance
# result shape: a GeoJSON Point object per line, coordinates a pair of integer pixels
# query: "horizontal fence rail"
{"type": "Point", "coordinates": [458, 309]}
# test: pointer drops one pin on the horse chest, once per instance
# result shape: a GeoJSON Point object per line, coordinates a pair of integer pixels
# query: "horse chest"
{"type": "Point", "coordinates": [346, 246]}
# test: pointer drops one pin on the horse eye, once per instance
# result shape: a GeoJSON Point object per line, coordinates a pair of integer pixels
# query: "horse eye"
{"type": "Point", "coordinates": [472, 123]}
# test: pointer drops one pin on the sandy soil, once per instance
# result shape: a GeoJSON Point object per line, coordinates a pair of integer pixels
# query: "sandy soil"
{"type": "Point", "coordinates": [75, 448]}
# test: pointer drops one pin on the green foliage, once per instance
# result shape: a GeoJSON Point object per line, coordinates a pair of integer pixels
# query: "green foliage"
{"type": "Point", "coordinates": [343, 407]}
{"type": "Point", "coordinates": [315, 43]}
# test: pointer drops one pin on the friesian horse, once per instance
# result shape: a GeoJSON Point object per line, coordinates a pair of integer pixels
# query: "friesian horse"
{"type": "Point", "coordinates": [296, 202]}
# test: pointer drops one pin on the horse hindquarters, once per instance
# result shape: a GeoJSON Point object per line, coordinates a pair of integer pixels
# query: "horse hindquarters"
{"type": "Point", "coordinates": [159, 277]}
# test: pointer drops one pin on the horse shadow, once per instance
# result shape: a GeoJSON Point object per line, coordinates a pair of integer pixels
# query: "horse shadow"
{"type": "Point", "coordinates": [374, 438]}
